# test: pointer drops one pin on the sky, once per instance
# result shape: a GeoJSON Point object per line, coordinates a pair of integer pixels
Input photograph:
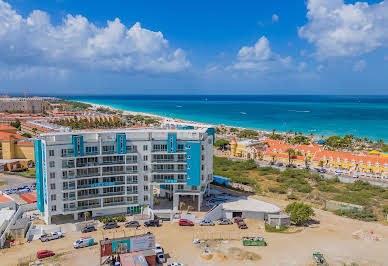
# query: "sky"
{"type": "Point", "coordinates": [70, 47]}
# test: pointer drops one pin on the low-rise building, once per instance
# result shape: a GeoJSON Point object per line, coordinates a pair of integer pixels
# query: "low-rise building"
{"type": "Point", "coordinates": [279, 220]}
{"type": "Point", "coordinates": [19, 104]}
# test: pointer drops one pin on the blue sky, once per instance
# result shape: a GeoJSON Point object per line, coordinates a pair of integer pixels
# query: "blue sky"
{"type": "Point", "coordinates": [197, 47]}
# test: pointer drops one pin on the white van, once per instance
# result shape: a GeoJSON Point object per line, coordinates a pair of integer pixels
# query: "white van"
{"type": "Point", "coordinates": [84, 242]}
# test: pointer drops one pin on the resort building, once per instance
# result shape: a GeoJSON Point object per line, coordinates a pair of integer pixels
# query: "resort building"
{"type": "Point", "coordinates": [19, 104]}
{"type": "Point", "coordinates": [247, 149]}
{"type": "Point", "coordinates": [116, 171]}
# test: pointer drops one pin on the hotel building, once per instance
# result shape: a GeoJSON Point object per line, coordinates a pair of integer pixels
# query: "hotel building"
{"type": "Point", "coordinates": [115, 171]}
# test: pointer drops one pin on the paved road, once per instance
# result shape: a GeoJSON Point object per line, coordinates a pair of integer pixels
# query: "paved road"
{"type": "Point", "coordinates": [14, 181]}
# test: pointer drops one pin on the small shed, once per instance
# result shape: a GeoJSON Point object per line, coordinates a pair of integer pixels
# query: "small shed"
{"type": "Point", "coordinates": [20, 227]}
{"type": "Point", "coordinates": [249, 208]}
{"type": "Point", "coordinates": [279, 220]}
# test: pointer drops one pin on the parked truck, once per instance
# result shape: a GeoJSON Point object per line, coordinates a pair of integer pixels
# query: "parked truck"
{"type": "Point", "coordinates": [50, 236]}
{"type": "Point", "coordinates": [84, 242]}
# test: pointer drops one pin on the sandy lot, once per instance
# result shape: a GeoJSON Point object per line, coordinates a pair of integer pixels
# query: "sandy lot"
{"type": "Point", "coordinates": [333, 237]}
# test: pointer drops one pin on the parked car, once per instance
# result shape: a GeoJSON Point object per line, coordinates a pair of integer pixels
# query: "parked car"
{"type": "Point", "coordinates": [7, 191]}
{"type": "Point", "coordinates": [279, 164]}
{"type": "Point", "coordinates": [84, 242]}
{"type": "Point", "coordinates": [135, 224]}
{"type": "Point", "coordinates": [223, 221]}
{"type": "Point", "coordinates": [44, 254]}
{"type": "Point", "coordinates": [242, 225]}
{"type": "Point", "coordinates": [111, 225]}
{"type": "Point", "coordinates": [175, 264]}
{"type": "Point", "coordinates": [355, 176]}
{"type": "Point", "coordinates": [160, 258]}
{"type": "Point", "coordinates": [185, 222]}
{"type": "Point", "coordinates": [13, 190]}
{"type": "Point", "coordinates": [206, 223]}
{"type": "Point", "coordinates": [154, 223]}
{"type": "Point", "coordinates": [158, 248]}
{"type": "Point", "coordinates": [87, 229]}
{"type": "Point", "coordinates": [51, 236]}
{"type": "Point", "coordinates": [237, 219]}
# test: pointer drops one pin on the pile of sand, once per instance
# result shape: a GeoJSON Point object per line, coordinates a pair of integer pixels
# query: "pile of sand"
{"type": "Point", "coordinates": [239, 254]}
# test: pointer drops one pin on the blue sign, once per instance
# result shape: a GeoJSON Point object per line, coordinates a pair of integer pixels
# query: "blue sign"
{"type": "Point", "coordinates": [170, 181]}
{"type": "Point", "coordinates": [103, 184]}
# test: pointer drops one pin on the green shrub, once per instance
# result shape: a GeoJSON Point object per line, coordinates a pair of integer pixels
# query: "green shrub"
{"type": "Point", "coordinates": [292, 196]}
{"type": "Point", "coordinates": [299, 212]}
{"type": "Point", "coordinates": [278, 189]}
{"type": "Point", "coordinates": [306, 188]}
{"type": "Point", "coordinates": [269, 228]}
{"type": "Point", "coordinates": [355, 197]}
{"type": "Point", "coordinates": [268, 170]}
{"type": "Point", "coordinates": [363, 215]}
{"type": "Point", "coordinates": [384, 195]}
{"type": "Point", "coordinates": [328, 188]}
{"type": "Point", "coordinates": [385, 208]}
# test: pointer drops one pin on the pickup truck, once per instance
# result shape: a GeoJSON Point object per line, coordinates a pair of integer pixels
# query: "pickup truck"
{"type": "Point", "coordinates": [51, 236]}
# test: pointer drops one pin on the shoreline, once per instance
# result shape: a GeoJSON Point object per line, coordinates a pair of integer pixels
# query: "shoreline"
{"type": "Point", "coordinates": [183, 121]}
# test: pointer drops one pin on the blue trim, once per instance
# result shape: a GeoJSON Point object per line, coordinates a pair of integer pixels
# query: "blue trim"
{"type": "Point", "coordinates": [78, 145]}
{"type": "Point", "coordinates": [211, 132]}
{"type": "Point", "coordinates": [39, 174]}
{"type": "Point", "coordinates": [221, 180]}
{"type": "Point", "coordinates": [121, 143]}
{"type": "Point", "coordinates": [171, 143]}
{"type": "Point", "coordinates": [103, 184]}
{"type": "Point", "coordinates": [193, 163]}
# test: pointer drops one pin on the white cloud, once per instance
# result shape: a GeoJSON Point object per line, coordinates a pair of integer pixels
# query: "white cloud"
{"type": "Point", "coordinates": [339, 29]}
{"type": "Point", "coordinates": [275, 18]}
{"type": "Point", "coordinates": [359, 66]}
{"type": "Point", "coordinates": [78, 43]}
{"type": "Point", "coordinates": [386, 58]}
{"type": "Point", "coordinates": [260, 57]}
{"type": "Point", "coordinates": [302, 66]}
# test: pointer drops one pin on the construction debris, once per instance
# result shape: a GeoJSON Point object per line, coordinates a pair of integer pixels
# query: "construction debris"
{"type": "Point", "coordinates": [367, 235]}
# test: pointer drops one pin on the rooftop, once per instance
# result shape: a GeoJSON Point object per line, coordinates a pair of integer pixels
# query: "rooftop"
{"type": "Point", "coordinates": [4, 198]}
{"type": "Point", "coordinates": [250, 204]}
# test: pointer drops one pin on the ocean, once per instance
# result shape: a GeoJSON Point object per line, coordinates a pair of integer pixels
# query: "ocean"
{"type": "Point", "coordinates": [362, 116]}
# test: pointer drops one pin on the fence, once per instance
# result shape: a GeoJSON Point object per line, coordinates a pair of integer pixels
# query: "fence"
{"type": "Point", "coordinates": [19, 212]}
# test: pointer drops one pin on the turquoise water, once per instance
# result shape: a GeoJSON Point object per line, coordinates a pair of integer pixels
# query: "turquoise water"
{"type": "Point", "coordinates": [363, 116]}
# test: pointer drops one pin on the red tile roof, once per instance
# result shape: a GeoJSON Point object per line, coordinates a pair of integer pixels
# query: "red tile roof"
{"type": "Point", "coordinates": [4, 199]}
{"type": "Point", "coordinates": [29, 197]}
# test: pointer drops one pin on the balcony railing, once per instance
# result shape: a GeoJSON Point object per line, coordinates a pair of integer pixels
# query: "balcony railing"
{"type": "Point", "coordinates": [92, 153]}
{"type": "Point", "coordinates": [69, 199]}
{"type": "Point", "coordinates": [92, 206]}
{"type": "Point", "coordinates": [169, 181]}
{"type": "Point", "coordinates": [88, 164]}
{"type": "Point", "coordinates": [132, 192]}
{"type": "Point", "coordinates": [114, 203]}
{"type": "Point", "coordinates": [69, 188]}
{"type": "Point", "coordinates": [67, 155]}
{"type": "Point", "coordinates": [168, 171]}
{"type": "Point", "coordinates": [114, 172]}
{"type": "Point", "coordinates": [132, 182]}
{"type": "Point", "coordinates": [114, 193]}
{"type": "Point", "coordinates": [89, 174]}
{"type": "Point", "coordinates": [112, 162]}
{"type": "Point", "coordinates": [169, 161]}
{"type": "Point", "coordinates": [108, 152]}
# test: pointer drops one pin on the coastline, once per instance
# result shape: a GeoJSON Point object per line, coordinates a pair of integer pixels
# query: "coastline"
{"type": "Point", "coordinates": [175, 120]}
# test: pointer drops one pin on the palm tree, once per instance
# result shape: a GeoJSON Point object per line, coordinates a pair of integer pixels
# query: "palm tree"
{"type": "Point", "coordinates": [142, 211]}
{"type": "Point", "coordinates": [380, 144]}
{"type": "Point", "coordinates": [273, 158]}
{"type": "Point", "coordinates": [86, 215]}
{"type": "Point", "coordinates": [273, 132]}
{"type": "Point", "coordinates": [306, 162]}
{"type": "Point", "coordinates": [290, 152]}
{"type": "Point", "coordinates": [181, 205]}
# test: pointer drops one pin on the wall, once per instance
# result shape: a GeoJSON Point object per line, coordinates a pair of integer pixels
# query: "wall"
{"type": "Point", "coordinates": [24, 152]}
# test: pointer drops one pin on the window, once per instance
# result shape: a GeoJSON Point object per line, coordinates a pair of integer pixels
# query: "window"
{"type": "Point", "coordinates": [53, 197]}
{"type": "Point", "coordinates": [180, 147]}
{"type": "Point", "coordinates": [52, 175]}
{"type": "Point", "coordinates": [91, 150]}
{"type": "Point", "coordinates": [67, 152]}
{"type": "Point", "coordinates": [53, 208]}
{"type": "Point", "coordinates": [145, 158]}
{"type": "Point", "coordinates": [202, 167]}
{"type": "Point", "coordinates": [202, 147]}
{"type": "Point", "coordinates": [108, 149]}
{"type": "Point", "coordinates": [52, 164]}
{"type": "Point", "coordinates": [145, 197]}
{"type": "Point", "coordinates": [145, 147]}
{"type": "Point", "coordinates": [180, 187]}
{"type": "Point", "coordinates": [202, 157]}
{"type": "Point", "coordinates": [51, 153]}
{"type": "Point", "coordinates": [145, 167]}
{"type": "Point", "coordinates": [145, 188]}
{"type": "Point", "coordinates": [52, 186]}
{"type": "Point", "coordinates": [145, 178]}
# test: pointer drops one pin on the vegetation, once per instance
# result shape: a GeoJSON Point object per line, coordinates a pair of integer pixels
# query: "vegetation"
{"type": "Point", "coordinates": [26, 135]}
{"type": "Point", "coordinates": [108, 219]}
{"type": "Point", "coordinates": [269, 228]}
{"type": "Point", "coordinates": [248, 133]}
{"type": "Point", "coordinates": [299, 212]}
{"type": "Point", "coordinates": [301, 140]}
{"type": "Point", "coordinates": [93, 123]}
{"type": "Point", "coordinates": [16, 124]}
{"type": "Point", "coordinates": [302, 184]}
{"type": "Point", "coordinates": [337, 142]}
{"type": "Point", "coordinates": [385, 209]}
{"type": "Point", "coordinates": [221, 143]}
{"type": "Point", "coordinates": [364, 215]}
{"type": "Point", "coordinates": [72, 105]}
{"type": "Point", "coordinates": [233, 130]}
{"type": "Point", "coordinates": [276, 137]}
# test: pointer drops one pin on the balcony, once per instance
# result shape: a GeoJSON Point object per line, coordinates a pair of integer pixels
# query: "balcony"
{"type": "Point", "coordinates": [168, 171]}
{"type": "Point", "coordinates": [120, 193]}
{"type": "Point", "coordinates": [88, 164]}
{"type": "Point", "coordinates": [68, 177]}
{"type": "Point", "coordinates": [132, 182]}
{"type": "Point", "coordinates": [92, 206]}
{"type": "Point", "coordinates": [66, 155]}
{"type": "Point", "coordinates": [69, 199]}
{"type": "Point", "coordinates": [69, 188]}
{"type": "Point", "coordinates": [89, 175]}
{"type": "Point", "coordinates": [114, 172]}
{"type": "Point", "coordinates": [168, 181]}
{"type": "Point", "coordinates": [111, 162]}
{"type": "Point", "coordinates": [131, 150]}
{"type": "Point", "coordinates": [131, 161]}
{"type": "Point", "coordinates": [169, 161]}
{"type": "Point", "coordinates": [115, 203]}
{"type": "Point", "coordinates": [70, 209]}
{"type": "Point", "coordinates": [91, 153]}
{"type": "Point", "coordinates": [89, 196]}
{"type": "Point", "coordinates": [108, 152]}
{"type": "Point", "coordinates": [132, 192]}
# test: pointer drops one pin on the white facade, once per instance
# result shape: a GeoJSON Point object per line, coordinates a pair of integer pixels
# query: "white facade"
{"type": "Point", "coordinates": [114, 171]}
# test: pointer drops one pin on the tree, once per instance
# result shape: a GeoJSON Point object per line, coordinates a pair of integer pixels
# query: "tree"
{"type": "Point", "coordinates": [142, 211]}
{"type": "Point", "coordinates": [86, 215]}
{"type": "Point", "coordinates": [221, 143]}
{"type": "Point", "coordinates": [321, 163]}
{"type": "Point", "coordinates": [299, 212]}
{"type": "Point", "coordinates": [290, 152]}
{"type": "Point", "coordinates": [181, 205]}
{"type": "Point", "coordinates": [16, 124]}
{"type": "Point", "coordinates": [273, 158]}
{"type": "Point", "coordinates": [248, 133]}
{"type": "Point", "coordinates": [306, 162]}
{"type": "Point", "coordinates": [34, 130]}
